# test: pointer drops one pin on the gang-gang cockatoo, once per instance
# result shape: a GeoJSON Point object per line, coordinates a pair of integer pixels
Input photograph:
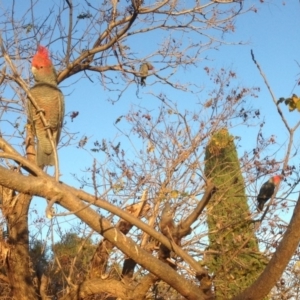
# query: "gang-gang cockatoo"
{"type": "Point", "coordinates": [267, 191]}
{"type": "Point", "coordinates": [50, 100]}
{"type": "Point", "coordinates": [144, 69]}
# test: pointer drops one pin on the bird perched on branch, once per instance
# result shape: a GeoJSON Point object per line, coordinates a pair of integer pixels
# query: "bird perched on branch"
{"type": "Point", "coordinates": [50, 100]}
{"type": "Point", "coordinates": [267, 190]}
{"type": "Point", "coordinates": [144, 69]}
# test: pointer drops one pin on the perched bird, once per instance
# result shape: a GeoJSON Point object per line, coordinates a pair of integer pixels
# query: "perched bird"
{"type": "Point", "coordinates": [267, 190]}
{"type": "Point", "coordinates": [144, 69]}
{"type": "Point", "coordinates": [50, 100]}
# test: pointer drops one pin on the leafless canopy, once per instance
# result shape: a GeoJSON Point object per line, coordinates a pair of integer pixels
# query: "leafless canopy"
{"type": "Point", "coordinates": [142, 231]}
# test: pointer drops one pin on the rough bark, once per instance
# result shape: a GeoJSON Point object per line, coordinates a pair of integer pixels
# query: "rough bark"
{"type": "Point", "coordinates": [143, 286]}
{"type": "Point", "coordinates": [175, 233]}
{"type": "Point", "coordinates": [98, 286]}
{"type": "Point", "coordinates": [18, 261]}
{"type": "Point", "coordinates": [48, 188]}
{"type": "Point", "coordinates": [101, 256]}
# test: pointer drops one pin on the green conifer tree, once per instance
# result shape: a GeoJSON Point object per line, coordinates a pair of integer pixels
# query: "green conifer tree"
{"type": "Point", "coordinates": [233, 254]}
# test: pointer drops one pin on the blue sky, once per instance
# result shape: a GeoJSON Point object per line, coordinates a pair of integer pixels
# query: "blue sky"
{"type": "Point", "coordinates": [272, 33]}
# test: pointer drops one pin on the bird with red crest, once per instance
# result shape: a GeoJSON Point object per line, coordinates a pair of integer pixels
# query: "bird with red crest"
{"type": "Point", "coordinates": [50, 100]}
{"type": "Point", "coordinates": [267, 191]}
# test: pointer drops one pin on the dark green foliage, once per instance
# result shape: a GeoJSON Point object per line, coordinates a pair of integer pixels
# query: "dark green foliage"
{"type": "Point", "coordinates": [233, 255]}
{"type": "Point", "coordinates": [72, 246]}
{"type": "Point", "coordinates": [70, 258]}
{"type": "Point", "coordinates": [38, 255]}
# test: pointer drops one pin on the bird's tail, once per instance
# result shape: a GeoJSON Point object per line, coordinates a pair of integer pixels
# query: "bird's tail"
{"type": "Point", "coordinates": [260, 205]}
{"type": "Point", "coordinates": [44, 158]}
{"type": "Point", "coordinates": [143, 81]}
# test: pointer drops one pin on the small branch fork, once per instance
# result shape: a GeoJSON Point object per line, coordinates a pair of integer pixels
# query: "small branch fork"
{"type": "Point", "coordinates": [40, 112]}
{"type": "Point", "coordinates": [175, 234]}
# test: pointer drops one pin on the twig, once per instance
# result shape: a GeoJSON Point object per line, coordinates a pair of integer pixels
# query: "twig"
{"type": "Point", "coordinates": [83, 243]}
{"type": "Point", "coordinates": [49, 212]}
{"type": "Point", "coordinates": [271, 92]}
{"type": "Point", "coordinates": [69, 3]}
{"type": "Point", "coordinates": [23, 162]}
{"type": "Point", "coordinates": [70, 31]}
{"type": "Point", "coordinates": [3, 75]}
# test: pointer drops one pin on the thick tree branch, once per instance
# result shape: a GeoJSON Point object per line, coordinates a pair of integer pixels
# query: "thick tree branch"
{"type": "Point", "coordinates": [142, 288]}
{"type": "Point", "coordinates": [101, 255]}
{"type": "Point", "coordinates": [97, 286]}
{"type": "Point", "coordinates": [185, 225]}
{"type": "Point", "coordinates": [122, 214]}
{"type": "Point", "coordinates": [50, 189]}
{"type": "Point", "coordinates": [17, 267]}
{"type": "Point", "coordinates": [23, 162]}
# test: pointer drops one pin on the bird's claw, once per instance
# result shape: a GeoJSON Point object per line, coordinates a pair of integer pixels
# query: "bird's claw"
{"type": "Point", "coordinates": [40, 110]}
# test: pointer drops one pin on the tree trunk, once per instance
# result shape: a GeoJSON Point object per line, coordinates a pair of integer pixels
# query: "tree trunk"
{"type": "Point", "coordinates": [18, 268]}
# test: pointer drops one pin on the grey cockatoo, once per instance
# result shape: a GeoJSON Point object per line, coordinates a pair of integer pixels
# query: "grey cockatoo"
{"type": "Point", "coordinates": [144, 69]}
{"type": "Point", "coordinates": [50, 99]}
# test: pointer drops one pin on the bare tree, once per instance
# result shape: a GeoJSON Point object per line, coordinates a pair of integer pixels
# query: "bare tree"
{"type": "Point", "coordinates": [150, 211]}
